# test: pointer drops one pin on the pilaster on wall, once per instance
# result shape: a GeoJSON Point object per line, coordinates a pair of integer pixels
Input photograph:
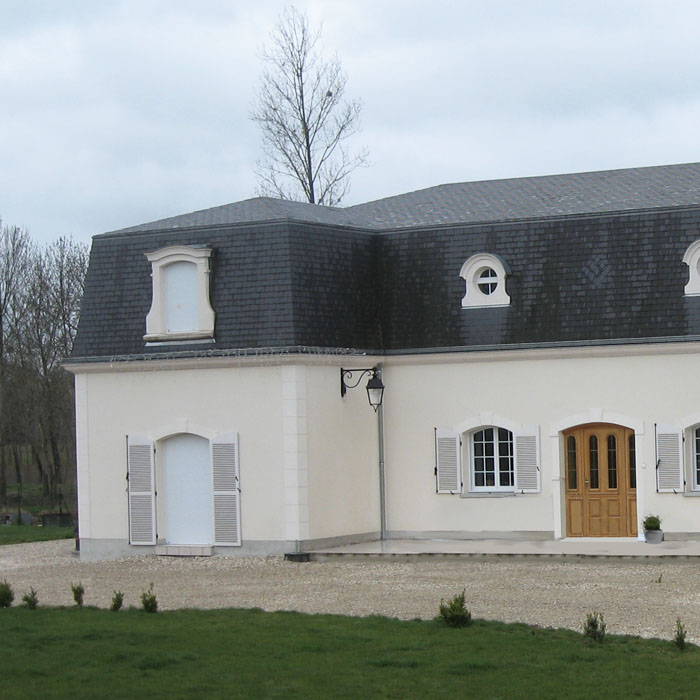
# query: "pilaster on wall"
{"type": "Point", "coordinates": [82, 454]}
{"type": "Point", "coordinates": [296, 496]}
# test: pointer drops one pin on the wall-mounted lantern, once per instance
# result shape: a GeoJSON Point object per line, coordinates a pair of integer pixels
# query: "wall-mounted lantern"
{"type": "Point", "coordinates": [375, 388]}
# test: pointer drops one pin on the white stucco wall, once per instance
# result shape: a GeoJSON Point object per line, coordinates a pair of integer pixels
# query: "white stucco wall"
{"type": "Point", "coordinates": [308, 457]}
{"type": "Point", "coordinates": [633, 386]}
{"type": "Point", "coordinates": [343, 457]}
{"type": "Point", "coordinates": [155, 404]}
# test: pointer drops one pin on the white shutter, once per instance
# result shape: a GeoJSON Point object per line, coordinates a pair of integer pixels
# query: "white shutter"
{"type": "Point", "coordinates": [142, 492]}
{"type": "Point", "coordinates": [527, 461]}
{"type": "Point", "coordinates": [447, 461]}
{"type": "Point", "coordinates": [669, 458]}
{"type": "Point", "coordinates": [227, 512]}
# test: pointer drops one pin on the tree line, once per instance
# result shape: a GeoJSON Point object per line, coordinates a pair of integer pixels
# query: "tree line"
{"type": "Point", "coordinates": [41, 288]}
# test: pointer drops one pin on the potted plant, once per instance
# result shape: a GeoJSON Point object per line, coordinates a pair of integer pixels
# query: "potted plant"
{"type": "Point", "coordinates": [653, 534]}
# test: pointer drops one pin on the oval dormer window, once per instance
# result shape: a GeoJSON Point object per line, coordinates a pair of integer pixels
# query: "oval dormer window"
{"type": "Point", "coordinates": [485, 278]}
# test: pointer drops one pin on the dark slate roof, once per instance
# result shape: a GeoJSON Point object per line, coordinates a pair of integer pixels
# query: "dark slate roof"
{"type": "Point", "coordinates": [249, 210]}
{"type": "Point", "coordinates": [593, 258]}
{"type": "Point", "coordinates": [583, 280]}
{"type": "Point", "coordinates": [537, 197]}
{"type": "Point", "coordinates": [470, 202]}
{"type": "Point", "coordinates": [273, 284]}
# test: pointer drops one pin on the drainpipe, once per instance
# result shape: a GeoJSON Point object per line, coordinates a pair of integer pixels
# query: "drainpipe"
{"type": "Point", "coordinates": [382, 484]}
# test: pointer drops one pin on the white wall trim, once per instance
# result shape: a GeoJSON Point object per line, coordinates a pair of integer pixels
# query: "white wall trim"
{"type": "Point", "coordinates": [692, 260]}
{"type": "Point", "coordinates": [156, 318]}
{"type": "Point", "coordinates": [177, 426]}
{"type": "Point", "coordinates": [296, 467]}
{"type": "Point", "coordinates": [82, 455]}
{"type": "Point", "coordinates": [596, 415]}
{"type": "Point", "coordinates": [471, 269]}
{"type": "Point", "coordinates": [690, 421]}
{"type": "Point", "coordinates": [265, 357]}
{"type": "Point", "coordinates": [486, 418]}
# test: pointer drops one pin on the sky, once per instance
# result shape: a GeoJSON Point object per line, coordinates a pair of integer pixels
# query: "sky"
{"type": "Point", "coordinates": [119, 112]}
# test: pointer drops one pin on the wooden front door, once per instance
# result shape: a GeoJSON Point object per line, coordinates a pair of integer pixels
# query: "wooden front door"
{"type": "Point", "coordinates": [601, 481]}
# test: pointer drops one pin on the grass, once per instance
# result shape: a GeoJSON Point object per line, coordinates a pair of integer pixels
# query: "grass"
{"type": "Point", "coordinates": [80, 653]}
{"type": "Point", "coordinates": [18, 534]}
{"type": "Point", "coordinates": [33, 499]}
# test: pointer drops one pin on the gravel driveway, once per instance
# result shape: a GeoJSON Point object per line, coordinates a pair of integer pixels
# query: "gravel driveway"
{"type": "Point", "coordinates": [642, 599]}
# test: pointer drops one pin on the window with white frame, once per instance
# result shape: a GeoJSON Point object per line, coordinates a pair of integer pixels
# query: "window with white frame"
{"type": "Point", "coordinates": [491, 459]}
{"type": "Point", "coordinates": [695, 457]}
{"type": "Point", "coordinates": [692, 260]}
{"type": "Point", "coordinates": [180, 309]}
{"type": "Point", "coordinates": [487, 459]}
{"type": "Point", "coordinates": [485, 278]}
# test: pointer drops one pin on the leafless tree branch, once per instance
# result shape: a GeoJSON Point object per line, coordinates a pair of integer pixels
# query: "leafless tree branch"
{"type": "Point", "coordinates": [303, 118]}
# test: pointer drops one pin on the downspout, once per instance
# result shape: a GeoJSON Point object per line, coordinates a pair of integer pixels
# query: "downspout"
{"type": "Point", "coordinates": [382, 483]}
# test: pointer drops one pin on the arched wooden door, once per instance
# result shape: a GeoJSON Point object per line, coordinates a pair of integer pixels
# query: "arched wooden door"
{"type": "Point", "coordinates": [601, 481]}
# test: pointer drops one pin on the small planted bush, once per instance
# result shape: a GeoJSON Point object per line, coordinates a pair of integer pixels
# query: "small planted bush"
{"type": "Point", "coordinates": [78, 593]}
{"type": "Point", "coordinates": [7, 595]}
{"type": "Point", "coordinates": [651, 522]}
{"type": "Point", "coordinates": [454, 612]}
{"type": "Point", "coordinates": [679, 638]}
{"type": "Point", "coordinates": [30, 600]}
{"type": "Point", "coordinates": [149, 601]}
{"type": "Point", "coordinates": [594, 627]}
{"type": "Point", "coordinates": [117, 601]}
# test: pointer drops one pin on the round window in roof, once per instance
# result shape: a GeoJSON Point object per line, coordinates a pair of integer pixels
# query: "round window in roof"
{"type": "Point", "coordinates": [487, 281]}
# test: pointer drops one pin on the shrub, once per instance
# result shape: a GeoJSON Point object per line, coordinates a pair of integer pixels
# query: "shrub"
{"type": "Point", "coordinates": [148, 600]}
{"type": "Point", "coordinates": [594, 627]}
{"type": "Point", "coordinates": [117, 601]}
{"type": "Point", "coordinates": [679, 639]}
{"type": "Point", "coordinates": [30, 600]}
{"type": "Point", "coordinates": [7, 595]}
{"type": "Point", "coordinates": [651, 522]}
{"type": "Point", "coordinates": [454, 612]}
{"type": "Point", "coordinates": [78, 593]}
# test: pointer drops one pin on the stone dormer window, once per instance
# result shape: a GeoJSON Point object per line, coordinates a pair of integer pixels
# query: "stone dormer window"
{"type": "Point", "coordinates": [692, 260]}
{"type": "Point", "coordinates": [485, 277]}
{"type": "Point", "coordinates": [180, 309]}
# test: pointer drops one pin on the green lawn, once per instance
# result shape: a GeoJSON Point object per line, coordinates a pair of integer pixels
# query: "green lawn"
{"type": "Point", "coordinates": [17, 534]}
{"type": "Point", "coordinates": [91, 653]}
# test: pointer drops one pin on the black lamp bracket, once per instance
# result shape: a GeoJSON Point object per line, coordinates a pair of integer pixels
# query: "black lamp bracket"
{"type": "Point", "coordinates": [347, 377]}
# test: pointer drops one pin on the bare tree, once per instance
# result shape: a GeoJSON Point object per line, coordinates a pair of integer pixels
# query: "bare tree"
{"type": "Point", "coordinates": [14, 259]}
{"type": "Point", "coordinates": [304, 120]}
{"type": "Point", "coordinates": [54, 289]}
{"type": "Point", "coordinates": [40, 295]}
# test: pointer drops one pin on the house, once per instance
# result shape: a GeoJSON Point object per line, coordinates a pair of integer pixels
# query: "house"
{"type": "Point", "coordinates": [538, 340]}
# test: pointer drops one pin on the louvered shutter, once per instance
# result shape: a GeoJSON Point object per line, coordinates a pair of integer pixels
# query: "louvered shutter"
{"type": "Point", "coordinates": [227, 514]}
{"type": "Point", "coordinates": [142, 492]}
{"type": "Point", "coordinates": [447, 461]}
{"type": "Point", "coordinates": [669, 458]}
{"type": "Point", "coordinates": [527, 461]}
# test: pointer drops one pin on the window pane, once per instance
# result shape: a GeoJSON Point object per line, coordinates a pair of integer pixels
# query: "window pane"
{"type": "Point", "coordinates": [612, 462]}
{"type": "Point", "coordinates": [571, 461]}
{"type": "Point", "coordinates": [488, 281]}
{"type": "Point", "coordinates": [697, 457]}
{"type": "Point", "coordinates": [593, 459]}
{"type": "Point", "coordinates": [180, 279]}
{"type": "Point", "coordinates": [633, 463]}
{"type": "Point", "coordinates": [492, 459]}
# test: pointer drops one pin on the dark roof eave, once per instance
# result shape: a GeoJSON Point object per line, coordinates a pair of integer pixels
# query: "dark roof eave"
{"type": "Point", "coordinates": [268, 352]}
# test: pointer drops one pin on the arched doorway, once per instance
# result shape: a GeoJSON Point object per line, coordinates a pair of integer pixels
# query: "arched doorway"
{"type": "Point", "coordinates": [601, 481]}
{"type": "Point", "coordinates": [188, 490]}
